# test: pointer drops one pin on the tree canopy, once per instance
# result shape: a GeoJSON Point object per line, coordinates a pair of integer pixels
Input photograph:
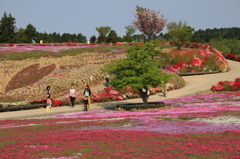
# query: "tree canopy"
{"type": "Point", "coordinates": [139, 70]}
{"type": "Point", "coordinates": [180, 32]}
{"type": "Point", "coordinates": [7, 28]}
{"type": "Point", "coordinates": [148, 22]}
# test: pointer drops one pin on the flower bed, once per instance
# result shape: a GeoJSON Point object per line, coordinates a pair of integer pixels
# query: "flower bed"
{"type": "Point", "coordinates": [232, 57]}
{"type": "Point", "coordinates": [196, 58]}
{"type": "Point", "coordinates": [197, 126]}
{"type": "Point", "coordinates": [227, 85]}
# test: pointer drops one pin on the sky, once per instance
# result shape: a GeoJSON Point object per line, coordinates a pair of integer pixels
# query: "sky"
{"type": "Point", "coordinates": [83, 16]}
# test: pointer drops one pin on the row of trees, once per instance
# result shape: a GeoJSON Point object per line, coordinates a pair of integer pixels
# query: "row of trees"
{"type": "Point", "coordinates": [222, 33]}
{"type": "Point", "coordinates": [149, 22]}
{"type": "Point", "coordinates": [10, 34]}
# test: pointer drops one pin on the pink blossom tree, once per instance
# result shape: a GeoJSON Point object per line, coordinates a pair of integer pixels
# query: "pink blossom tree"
{"type": "Point", "coordinates": [148, 22]}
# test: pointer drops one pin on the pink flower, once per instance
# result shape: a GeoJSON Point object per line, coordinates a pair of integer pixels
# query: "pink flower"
{"type": "Point", "coordinates": [196, 62]}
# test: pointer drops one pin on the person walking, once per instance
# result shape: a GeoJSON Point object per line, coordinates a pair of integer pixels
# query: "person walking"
{"type": "Point", "coordinates": [48, 92]}
{"type": "Point", "coordinates": [107, 81]}
{"type": "Point", "coordinates": [72, 94]}
{"type": "Point", "coordinates": [48, 104]}
{"type": "Point", "coordinates": [87, 93]}
{"type": "Point", "coordinates": [34, 39]}
{"type": "Point", "coordinates": [164, 89]}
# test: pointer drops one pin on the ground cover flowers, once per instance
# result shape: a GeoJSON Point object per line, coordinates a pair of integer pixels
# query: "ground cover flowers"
{"type": "Point", "coordinates": [197, 126]}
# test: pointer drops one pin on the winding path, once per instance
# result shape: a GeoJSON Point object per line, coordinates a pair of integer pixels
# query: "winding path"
{"type": "Point", "coordinates": [194, 85]}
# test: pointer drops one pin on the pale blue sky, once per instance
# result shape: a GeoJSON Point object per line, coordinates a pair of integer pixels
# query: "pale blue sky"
{"type": "Point", "coordinates": [83, 16]}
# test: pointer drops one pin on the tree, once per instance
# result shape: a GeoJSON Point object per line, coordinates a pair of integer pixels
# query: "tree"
{"type": "Point", "coordinates": [7, 29]}
{"type": "Point", "coordinates": [130, 31]}
{"type": "Point", "coordinates": [30, 31]}
{"type": "Point", "coordinates": [20, 36]}
{"type": "Point", "coordinates": [103, 31]}
{"type": "Point", "coordinates": [66, 37]}
{"type": "Point", "coordinates": [148, 22]}
{"type": "Point", "coordinates": [81, 38]}
{"type": "Point", "coordinates": [45, 37]}
{"type": "Point", "coordinates": [140, 37]}
{"type": "Point", "coordinates": [180, 32]}
{"type": "Point", "coordinates": [112, 37]}
{"type": "Point", "coordinates": [92, 39]}
{"type": "Point", "coordinates": [139, 70]}
{"type": "Point", "coordinates": [55, 36]}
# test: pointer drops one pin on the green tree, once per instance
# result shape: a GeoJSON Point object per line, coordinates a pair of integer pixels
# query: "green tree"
{"type": "Point", "coordinates": [180, 32]}
{"type": "Point", "coordinates": [101, 38]}
{"type": "Point", "coordinates": [139, 70]}
{"type": "Point", "coordinates": [140, 37]}
{"type": "Point", "coordinates": [7, 29]}
{"type": "Point", "coordinates": [81, 38]}
{"type": "Point", "coordinates": [102, 32]}
{"type": "Point", "coordinates": [130, 31]}
{"type": "Point", "coordinates": [112, 37]}
{"type": "Point", "coordinates": [45, 37]}
{"type": "Point", "coordinates": [30, 31]}
{"type": "Point", "coordinates": [127, 38]}
{"type": "Point", "coordinates": [21, 37]}
{"type": "Point", "coordinates": [55, 36]}
{"type": "Point", "coordinates": [66, 37]}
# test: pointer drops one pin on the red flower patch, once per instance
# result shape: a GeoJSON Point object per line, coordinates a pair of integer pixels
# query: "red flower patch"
{"type": "Point", "coordinates": [29, 75]}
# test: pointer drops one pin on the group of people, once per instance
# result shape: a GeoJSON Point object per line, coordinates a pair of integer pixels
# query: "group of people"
{"type": "Point", "coordinates": [72, 95]}
{"type": "Point", "coordinates": [86, 100]}
{"type": "Point", "coordinates": [86, 93]}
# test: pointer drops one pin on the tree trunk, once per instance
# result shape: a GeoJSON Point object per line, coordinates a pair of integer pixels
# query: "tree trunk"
{"type": "Point", "coordinates": [144, 95]}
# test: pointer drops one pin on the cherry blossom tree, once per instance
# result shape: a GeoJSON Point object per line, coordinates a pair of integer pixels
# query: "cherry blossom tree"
{"type": "Point", "coordinates": [148, 22]}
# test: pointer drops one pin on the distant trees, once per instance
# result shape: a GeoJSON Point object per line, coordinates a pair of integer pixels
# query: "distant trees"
{"type": "Point", "coordinates": [148, 22]}
{"type": "Point", "coordinates": [223, 33]}
{"type": "Point", "coordinates": [10, 34]}
{"type": "Point", "coordinates": [140, 37]}
{"type": "Point", "coordinates": [7, 28]}
{"type": "Point", "coordinates": [180, 32]}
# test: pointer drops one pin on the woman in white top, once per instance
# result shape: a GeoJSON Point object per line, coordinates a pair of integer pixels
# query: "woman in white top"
{"type": "Point", "coordinates": [72, 94]}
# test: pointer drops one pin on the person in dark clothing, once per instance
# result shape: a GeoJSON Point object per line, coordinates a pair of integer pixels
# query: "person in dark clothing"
{"type": "Point", "coordinates": [92, 39]}
{"type": "Point", "coordinates": [107, 81]}
{"type": "Point", "coordinates": [72, 94]}
{"type": "Point", "coordinates": [48, 92]}
{"type": "Point", "coordinates": [87, 93]}
{"type": "Point", "coordinates": [85, 102]}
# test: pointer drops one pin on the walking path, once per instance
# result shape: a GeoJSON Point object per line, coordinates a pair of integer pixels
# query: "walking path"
{"type": "Point", "coordinates": [194, 84]}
